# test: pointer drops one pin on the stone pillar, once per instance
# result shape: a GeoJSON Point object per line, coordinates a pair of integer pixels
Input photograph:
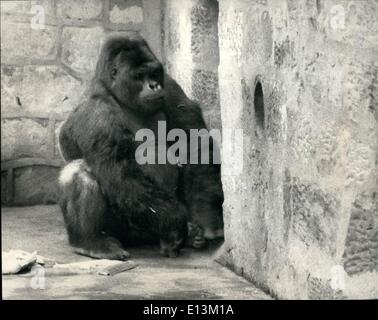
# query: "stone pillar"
{"type": "Point", "coordinates": [191, 52]}
{"type": "Point", "coordinates": [301, 219]}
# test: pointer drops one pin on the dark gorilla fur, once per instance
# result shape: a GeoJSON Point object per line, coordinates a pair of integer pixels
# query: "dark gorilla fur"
{"type": "Point", "coordinates": [109, 200]}
{"type": "Point", "coordinates": [200, 186]}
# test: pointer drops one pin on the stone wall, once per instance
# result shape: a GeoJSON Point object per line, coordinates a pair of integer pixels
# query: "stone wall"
{"type": "Point", "coordinates": [301, 218]}
{"type": "Point", "coordinates": [48, 54]}
{"type": "Point", "coordinates": [191, 52]}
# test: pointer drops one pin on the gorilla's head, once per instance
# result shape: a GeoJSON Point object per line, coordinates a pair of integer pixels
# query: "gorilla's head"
{"type": "Point", "coordinates": [132, 73]}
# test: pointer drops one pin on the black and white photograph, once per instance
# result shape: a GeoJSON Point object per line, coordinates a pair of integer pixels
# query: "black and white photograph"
{"type": "Point", "coordinates": [207, 151]}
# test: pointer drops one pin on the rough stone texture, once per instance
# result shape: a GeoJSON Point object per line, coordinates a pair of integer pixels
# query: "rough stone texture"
{"type": "Point", "coordinates": [205, 90]}
{"type": "Point", "coordinates": [361, 252]}
{"type": "Point", "coordinates": [204, 34]}
{"type": "Point", "coordinates": [192, 53]}
{"type": "Point", "coordinates": [128, 12]}
{"type": "Point", "coordinates": [79, 9]}
{"type": "Point", "coordinates": [23, 7]}
{"type": "Point", "coordinates": [81, 48]}
{"type": "Point", "coordinates": [152, 29]}
{"type": "Point", "coordinates": [317, 289]}
{"type": "Point", "coordinates": [177, 42]}
{"type": "Point", "coordinates": [15, 6]}
{"type": "Point", "coordinates": [357, 21]}
{"type": "Point", "coordinates": [38, 89]}
{"type": "Point", "coordinates": [295, 212]}
{"type": "Point", "coordinates": [23, 138]}
{"type": "Point", "coordinates": [25, 10]}
{"type": "Point", "coordinates": [24, 44]}
{"type": "Point", "coordinates": [314, 216]}
{"type": "Point", "coordinates": [35, 185]}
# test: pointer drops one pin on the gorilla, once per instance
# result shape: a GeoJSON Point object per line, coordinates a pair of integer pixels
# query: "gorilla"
{"type": "Point", "coordinates": [200, 186]}
{"type": "Point", "coordinates": [109, 201]}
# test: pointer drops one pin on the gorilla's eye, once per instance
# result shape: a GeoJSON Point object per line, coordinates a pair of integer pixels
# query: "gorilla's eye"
{"type": "Point", "coordinates": [113, 72]}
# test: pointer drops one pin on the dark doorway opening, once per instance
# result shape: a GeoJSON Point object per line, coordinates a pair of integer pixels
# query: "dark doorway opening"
{"type": "Point", "coordinates": [258, 101]}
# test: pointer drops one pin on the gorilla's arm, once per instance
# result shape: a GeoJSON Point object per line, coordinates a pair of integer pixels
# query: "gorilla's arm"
{"type": "Point", "coordinates": [108, 147]}
{"type": "Point", "coordinates": [181, 111]}
{"type": "Point", "coordinates": [201, 186]}
{"type": "Point", "coordinates": [67, 143]}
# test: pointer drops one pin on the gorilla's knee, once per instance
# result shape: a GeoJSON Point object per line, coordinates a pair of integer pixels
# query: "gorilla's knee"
{"type": "Point", "coordinates": [81, 201]}
{"type": "Point", "coordinates": [78, 185]}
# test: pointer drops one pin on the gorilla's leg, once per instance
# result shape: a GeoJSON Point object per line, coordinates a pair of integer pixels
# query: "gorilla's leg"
{"type": "Point", "coordinates": [205, 225]}
{"type": "Point", "coordinates": [195, 237]}
{"type": "Point", "coordinates": [85, 211]}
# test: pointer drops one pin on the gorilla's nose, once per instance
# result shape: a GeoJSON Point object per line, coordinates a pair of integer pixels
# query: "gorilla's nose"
{"type": "Point", "coordinates": [154, 85]}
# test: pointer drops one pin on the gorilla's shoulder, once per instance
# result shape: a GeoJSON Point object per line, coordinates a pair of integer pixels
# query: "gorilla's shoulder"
{"type": "Point", "coordinates": [176, 97]}
{"type": "Point", "coordinates": [173, 90]}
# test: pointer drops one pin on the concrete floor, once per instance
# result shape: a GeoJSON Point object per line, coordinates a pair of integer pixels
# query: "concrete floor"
{"type": "Point", "coordinates": [193, 275]}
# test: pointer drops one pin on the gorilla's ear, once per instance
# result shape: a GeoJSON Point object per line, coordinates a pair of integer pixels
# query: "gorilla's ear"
{"type": "Point", "coordinates": [113, 72]}
{"type": "Point", "coordinates": [114, 65]}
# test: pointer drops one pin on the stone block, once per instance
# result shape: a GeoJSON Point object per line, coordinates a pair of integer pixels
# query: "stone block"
{"type": "Point", "coordinates": [327, 151]}
{"type": "Point", "coordinates": [15, 7]}
{"type": "Point", "coordinates": [257, 46]}
{"type": "Point", "coordinates": [23, 43]}
{"type": "Point", "coordinates": [320, 289]}
{"type": "Point", "coordinates": [24, 138]}
{"type": "Point", "coordinates": [26, 8]}
{"type": "Point", "coordinates": [79, 9]}
{"type": "Point", "coordinates": [303, 141]}
{"type": "Point", "coordinates": [314, 213]}
{"type": "Point", "coordinates": [361, 247]}
{"type": "Point", "coordinates": [205, 89]}
{"type": "Point", "coordinates": [153, 31]}
{"type": "Point", "coordinates": [360, 164]}
{"type": "Point", "coordinates": [273, 105]}
{"type": "Point", "coordinates": [286, 216]}
{"type": "Point", "coordinates": [35, 185]}
{"type": "Point", "coordinates": [282, 52]}
{"type": "Point", "coordinates": [353, 23]}
{"type": "Point", "coordinates": [359, 86]}
{"type": "Point", "coordinates": [81, 48]}
{"type": "Point", "coordinates": [213, 120]}
{"type": "Point", "coordinates": [204, 34]}
{"type": "Point", "coordinates": [38, 89]}
{"type": "Point", "coordinates": [126, 12]}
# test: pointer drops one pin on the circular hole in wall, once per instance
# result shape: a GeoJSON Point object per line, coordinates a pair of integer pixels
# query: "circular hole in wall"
{"type": "Point", "coordinates": [258, 100]}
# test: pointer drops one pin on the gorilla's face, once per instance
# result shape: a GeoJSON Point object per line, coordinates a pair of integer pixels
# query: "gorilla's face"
{"type": "Point", "coordinates": [138, 80]}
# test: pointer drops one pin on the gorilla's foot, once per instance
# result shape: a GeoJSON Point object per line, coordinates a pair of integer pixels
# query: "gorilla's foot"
{"type": "Point", "coordinates": [196, 237]}
{"type": "Point", "coordinates": [107, 248]}
{"type": "Point", "coordinates": [199, 242]}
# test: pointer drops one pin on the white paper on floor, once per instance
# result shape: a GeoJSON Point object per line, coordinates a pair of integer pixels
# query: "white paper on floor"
{"type": "Point", "coordinates": [15, 261]}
